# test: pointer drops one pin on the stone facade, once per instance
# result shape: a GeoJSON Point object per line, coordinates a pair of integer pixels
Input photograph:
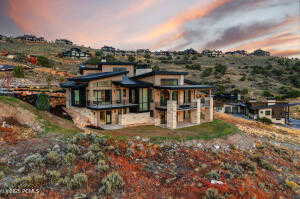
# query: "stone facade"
{"type": "Point", "coordinates": [172, 114]}
{"type": "Point", "coordinates": [81, 116]}
{"type": "Point", "coordinates": [131, 119]}
{"type": "Point", "coordinates": [196, 114]}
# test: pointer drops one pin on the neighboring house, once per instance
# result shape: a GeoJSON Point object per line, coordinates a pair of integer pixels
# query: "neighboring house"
{"type": "Point", "coordinates": [229, 103]}
{"type": "Point", "coordinates": [113, 95]}
{"type": "Point", "coordinates": [108, 49]}
{"type": "Point", "coordinates": [277, 112]}
{"type": "Point", "coordinates": [6, 68]}
{"type": "Point", "coordinates": [260, 52]}
{"type": "Point", "coordinates": [143, 51]}
{"type": "Point", "coordinates": [237, 52]}
{"type": "Point", "coordinates": [31, 38]}
{"type": "Point", "coordinates": [63, 41]}
{"type": "Point", "coordinates": [211, 53]}
{"type": "Point", "coordinates": [75, 53]}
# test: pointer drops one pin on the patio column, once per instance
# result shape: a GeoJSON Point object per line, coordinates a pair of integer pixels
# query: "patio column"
{"type": "Point", "coordinates": [171, 114]}
{"type": "Point", "coordinates": [211, 107]}
{"type": "Point", "coordinates": [196, 114]}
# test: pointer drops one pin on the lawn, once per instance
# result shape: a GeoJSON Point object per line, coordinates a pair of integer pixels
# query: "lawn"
{"type": "Point", "coordinates": [206, 131]}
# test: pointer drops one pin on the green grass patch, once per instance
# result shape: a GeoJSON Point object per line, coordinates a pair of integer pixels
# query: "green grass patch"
{"type": "Point", "coordinates": [210, 130]}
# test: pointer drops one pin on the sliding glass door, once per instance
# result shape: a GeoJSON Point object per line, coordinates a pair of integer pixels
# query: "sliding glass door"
{"type": "Point", "coordinates": [143, 100]}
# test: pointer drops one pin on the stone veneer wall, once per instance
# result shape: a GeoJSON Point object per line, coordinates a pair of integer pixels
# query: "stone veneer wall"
{"type": "Point", "coordinates": [172, 114]}
{"type": "Point", "coordinates": [131, 119]}
{"type": "Point", "coordinates": [82, 116]}
{"type": "Point", "coordinates": [196, 114]}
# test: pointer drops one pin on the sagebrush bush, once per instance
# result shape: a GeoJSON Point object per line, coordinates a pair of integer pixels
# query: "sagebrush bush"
{"type": "Point", "coordinates": [70, 158]}
{"type": "Point", "coordinates": [30, 181]}
{"type": "Point", "coordinates": [2, 175]}
{"type": "Point", "coordinates": [111, 183]}
{"type": "Point", "coordinates": [73, 148]}
{"type": "Point", "coordinates": [95, 148]}
{"type": "Point", "coordinates": [248, 165]}
{"type": "Point", "coordinates": [76, 182]}
{"type": "Point", "coordinates": [53, 176]}
{"type": "Point", "coordinates": [102, 166]}
{"type": "Point", "coordinates": [53, 158]}
{"type": "Point", "coordinates": [213, 174]}
{"type": "Point", "coordinates": [89, 157]}
{"type": "Point", "coordinates": [212, 193]}
{"type": "Point", "coordinates": [34, 161]}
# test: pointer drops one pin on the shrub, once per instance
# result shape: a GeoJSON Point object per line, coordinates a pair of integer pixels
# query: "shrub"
{"type": "Point", "coordinates": [213, 174]}
{"type": "Point", "coordinates": [34, 161]}
{"type": "Point", "coordinates": [43, 102]}
{"type": "Point", "coordinates": [243, 78]}
{"type": "Point", "coordinates": [131, 58]}
{"type": "Point", "coordinates": [248, 165]}
{"type": "Point", "coordinates": [73, 148]}
{"type": "Point", "coordinates": [2, 175]}
{"type": "Point", "coordinates": [30, 181]}
{"type": "Point", "coordinates": [212, 193]}
{"type": "Point", "coordinates": [90, 157]}
{"type": "Point", "coordinates": [93, 61]}
{"type": "Point", "coordinates": [220, 69]}
{"type": "Point", "coordinates": [267, 94]}
{"type": "Point", "coordinates": [263, 163]}
{"type": "Point", "coordinates": [70, 158]}
{"type": "Point", "coordinates": [265, 120]}
{"type": "Point", "coordinates": [94, 148]}
{"type": "Point", "coordinates": [207, 72]}
{"type": "Point", "coordinates": [18, 72]}
{"type": "Point", "coordinates": [20, 57]}
{"type": "Point", "coordinates": [44, 61]}
{"type": "Point", "coordinates": [53, 176]}
{"type": "Point", "coordinates": [76, 182]}
{"type": "Point", "coordinates": [102, 166]}
{"type": "Point", "coordinates": [111, 183]}
{"type": "Point", "coordinates": [53, 158]}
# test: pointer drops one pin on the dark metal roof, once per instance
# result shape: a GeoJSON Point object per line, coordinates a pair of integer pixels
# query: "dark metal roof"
{"type": "Point", "coordinates": [126, 82]}
{"type": "Point", "coordinates": [72, 84]}
{"type": "Point", "coordinates": [87, 78]}
{"type": "Point", "coordinates": [6, 67]}
{"type": "Point", "coordinates": [274, 105]}
{"type": "Point", "coordinates": [187, 81]}
{"type": "Point", "coordinates": [178, 87]}
{"type": "Point", "coordinates": [155, 72]}
{"type": "Point", "coordinates": [116, 63]}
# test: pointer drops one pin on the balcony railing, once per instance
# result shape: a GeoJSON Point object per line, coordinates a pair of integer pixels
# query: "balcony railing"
{"type": "Point", "coordinates": [108, 104]}
{"type": "Point", "coordinates": [187, 105]}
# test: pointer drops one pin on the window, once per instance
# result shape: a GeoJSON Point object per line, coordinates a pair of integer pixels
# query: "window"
{"type": "Point", "coordinates": [118, 96]}
{"type": "Point", "coordinates": [151, 114]}
{"type": "Point", "coordinates": [76, 97]}
{"type": "Point", "coordinates": [102, 97]}
{"type": "Point", "coordinates": [117, 69]}
{"type": "Point", "coordinates": [143, 99]}
{"type": "Point", "coordinates": [268, 112]}
{"type": "Point", "coordinates": [187, 96]}
{"type": "Point", "coordinates": [124, 93]}
{"type": "Point", "coordinates": [169, 82]}
{"type": "Point", "coordinates": [262, 112]}
{"type": "Point", "coordinates": [175, 95]}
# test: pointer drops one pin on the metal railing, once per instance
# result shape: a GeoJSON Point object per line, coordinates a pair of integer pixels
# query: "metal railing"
{"type": "Point", "coordinates": [186, 105]}
{"type": "Point", "coordinates": [107, 104]}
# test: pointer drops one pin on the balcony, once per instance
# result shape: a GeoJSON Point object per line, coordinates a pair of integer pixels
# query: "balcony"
{"type": "Point", "coordinates": [183, 106]}
{"type": "Point", "coordinates": [104, 105]}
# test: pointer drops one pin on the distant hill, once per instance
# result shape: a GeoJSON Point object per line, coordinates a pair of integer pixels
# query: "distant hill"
{"type": "Point", "coordinates": [255, 76]}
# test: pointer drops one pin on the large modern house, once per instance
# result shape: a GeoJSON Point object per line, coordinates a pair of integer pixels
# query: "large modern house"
{"type": "Point", "coordinates": [112, 94]}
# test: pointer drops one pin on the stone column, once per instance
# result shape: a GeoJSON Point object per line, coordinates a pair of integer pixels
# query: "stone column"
{"type": "Point", "coordinates": [211, 109]}
{"type": "Point", "coordinates": [172, 114]}
{"type": "Point", "coordinates": [196, 113]}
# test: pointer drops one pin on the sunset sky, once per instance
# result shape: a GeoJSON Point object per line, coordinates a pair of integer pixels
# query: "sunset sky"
{"type": "Point", "coordinates": [272, 25]}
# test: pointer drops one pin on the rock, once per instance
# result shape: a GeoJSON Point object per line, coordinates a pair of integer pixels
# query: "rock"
{"type": "Point", "coordinates": [21, 170]}
{"type": "Point", "coordinates": [79, 196]}
{"type": "Point", "coordinates": [199, 184]}
{"type": "Point", "coordinates": [216, 182]}
{"type": "Point", "coordinates": [56, 148]}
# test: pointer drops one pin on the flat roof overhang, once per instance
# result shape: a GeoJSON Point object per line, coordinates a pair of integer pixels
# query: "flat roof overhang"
{"type": "Point", "coordinates": [184, 87]}
{"type": "Point", "coordinates": [109, 107]}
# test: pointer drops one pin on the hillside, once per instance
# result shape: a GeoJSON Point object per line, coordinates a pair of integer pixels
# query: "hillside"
{"type": "Point", "coordinates": [257, 162]}
{"type": "Point", "coordinates": [255, 76]}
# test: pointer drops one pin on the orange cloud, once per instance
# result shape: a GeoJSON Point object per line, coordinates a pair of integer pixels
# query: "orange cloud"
{"type": "Point", "coordinates": [137, 7]}
{"type": "Point", "coordinates": [178, 21]}
{"type": "Point", "coordinates": [286, 53]}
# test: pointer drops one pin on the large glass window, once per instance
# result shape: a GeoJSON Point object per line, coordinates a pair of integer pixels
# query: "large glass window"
{"type": "Point", "coordinates": [143, 99]}
{"type": "Point", "coordinates": [187, 96]}
{"type": "Point", "coordinates": [76, 97]}
{"type": "Point", "coordinates": [169, 82]}
{"type": "Point", "coordinates": [117, 69]}
{"type": "Point", "coordinates": [102, 97]}
{"type": "Point", "coordinates": [175, 96]}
